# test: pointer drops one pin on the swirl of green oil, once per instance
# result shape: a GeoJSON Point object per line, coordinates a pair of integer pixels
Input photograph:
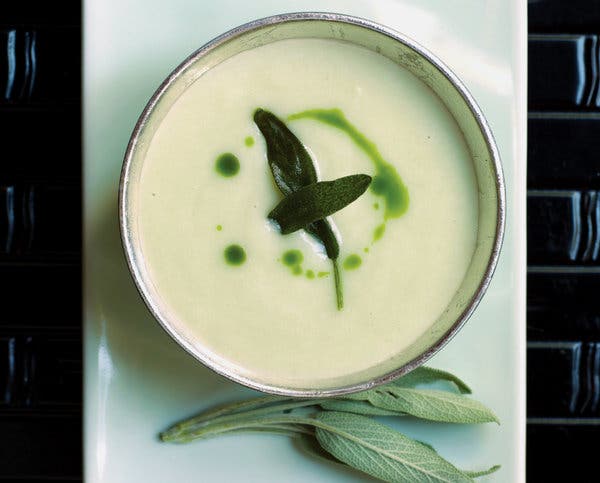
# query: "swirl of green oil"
{"type": "Point", "coordinates": [386, 181]}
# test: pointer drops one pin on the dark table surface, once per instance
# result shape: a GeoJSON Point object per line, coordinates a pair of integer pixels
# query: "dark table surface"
{"type": "Point", "coordinates": [40, 241]}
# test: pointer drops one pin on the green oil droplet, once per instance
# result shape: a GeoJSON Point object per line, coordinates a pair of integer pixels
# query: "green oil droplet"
{"type": "Point", "coordinates": [310, 274]}
{"type": "Point", "coordinates": [219, 227]}
{"type": "Point", "coordinates": [366, 249]}
{"type": "Point", "coordinates": [297, 270]}
{"type": "Point", "coordinates": [322, 274]}
{"type": "Point", "coordinates": [249, 141]}
{"type": "Point", "coordinates": [352, 262]}
{"type": "Point", "coordinates": [227, 164]}
{"type": "Point", "coordinates": [234, 255]}
{"type": "Point", "coordinates": [292, 258]}
{"type": "Point", "coordinates": [376, 206]}
{"type": "Point", "coordinates": [379, 231]}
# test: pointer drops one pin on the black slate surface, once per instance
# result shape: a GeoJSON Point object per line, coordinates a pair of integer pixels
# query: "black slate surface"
{"type": "Point", "coordinates": [40, 241]}
{"type": "Point", "coordinates": [563, 303]}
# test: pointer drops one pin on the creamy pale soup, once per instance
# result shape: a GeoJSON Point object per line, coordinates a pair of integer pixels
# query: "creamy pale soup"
{"type": "Point", "coordinates": [264, 302]}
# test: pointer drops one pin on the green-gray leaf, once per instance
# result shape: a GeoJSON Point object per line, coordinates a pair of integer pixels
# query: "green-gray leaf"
{"type": "Point", "coordinates": [427, 445]}
{"type": "Point", "coordinates": [317, 201]}
{"type": "Point", "coordinates": [357, 407]}
{"type": "Point", "coordinates": [428, 404]}
{"type": "Point", "coordinates": [379, 451]}
{"type": "Point", "coordinates": [477, 474]}
{"type": "Point", "coordinates": [309, 445]}
{"type": "Point", "coordinates": [469, 473]}
{"type": "Point", "coordinates": [428, 375]}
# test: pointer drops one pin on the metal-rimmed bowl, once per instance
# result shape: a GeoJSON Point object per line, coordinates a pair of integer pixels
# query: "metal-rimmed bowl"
{"type": "Point", "coordinates": [408, 55]}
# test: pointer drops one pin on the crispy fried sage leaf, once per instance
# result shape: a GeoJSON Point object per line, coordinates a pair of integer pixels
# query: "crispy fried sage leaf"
{"type": "Point", "coordinates": [317, 201]}
{"type": "Point", "coordinates": [290, 163]}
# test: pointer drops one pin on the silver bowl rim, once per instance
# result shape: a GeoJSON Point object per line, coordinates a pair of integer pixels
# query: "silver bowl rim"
{"type": "Point", "coordinates": [255, 25]}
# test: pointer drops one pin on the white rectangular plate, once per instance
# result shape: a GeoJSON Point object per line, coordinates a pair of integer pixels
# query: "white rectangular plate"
{"type": "Point", "coordinates": [137, 381]}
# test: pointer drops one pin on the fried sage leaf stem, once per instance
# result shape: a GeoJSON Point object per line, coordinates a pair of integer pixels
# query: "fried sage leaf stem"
{"type": "Point", "coordinates": [339, 288]}
{"type": "Point", "coordinates": [292, 168]}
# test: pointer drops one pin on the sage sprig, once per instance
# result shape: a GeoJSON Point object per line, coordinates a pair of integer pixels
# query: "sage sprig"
{"type": "Point", "coordinates": [342, 430]}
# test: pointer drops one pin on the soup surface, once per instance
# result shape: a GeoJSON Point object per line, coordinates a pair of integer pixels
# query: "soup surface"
{"type": "Point", "coordinates": [264, 302]}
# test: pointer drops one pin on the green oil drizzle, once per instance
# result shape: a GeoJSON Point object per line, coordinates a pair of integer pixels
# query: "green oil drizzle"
{"type": "Point", "coordinates": [234, 255]}
{"type": "Point", "coordinates": [249, 141]}
{"type": "Point", "coordinates": [376, 206]}
{"type": "Point", "coordinates": [378, 232]}
{"type": "Point", "coordinates": [386, 182]}
{"type": "Point", "coordinates": [227, 165]}
{"type": "Point", "coordinates": [352, 262]}
{"type": "Point", "coordinates": [322, 274]}
{"type": "Point", "coordinates": [219, 227]}
{"type": "Point", "coordinates": [310, 274]}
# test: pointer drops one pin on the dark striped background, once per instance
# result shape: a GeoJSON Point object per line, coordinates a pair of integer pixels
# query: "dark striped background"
{"type": "Point", "coordinates": [40, 241]}
{"type": "Point", "coordinates": [563, 276]}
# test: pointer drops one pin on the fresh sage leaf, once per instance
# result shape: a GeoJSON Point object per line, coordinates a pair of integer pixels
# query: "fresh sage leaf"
{"type": "Point", "coordinates": [364, 408]}
{"type": "Point", "coordinates": [477, 474]}
{"type": "Point", "coordinates": [427, 445]}
{"type": "Point", "coordinates": [382, 452]}
{"type": "Point", "coordinates": [469, 473]}
{"type": "Point", "coordinates": [429, 375]}
{"type": "Point", "coordinates": [221, 410]}
{"type": "Point", "coordinates": [309, 445]}
{"type": "Point", "coordinates": [295, 430]}
{"type": "Point", "coordinates": [317, 201]}
{"type": "Point", "coordinates": [428, 404]}
{"type": "Point", "coordinates": [338, 429]}
{"type": "Point", "coordinates": [281, 429]}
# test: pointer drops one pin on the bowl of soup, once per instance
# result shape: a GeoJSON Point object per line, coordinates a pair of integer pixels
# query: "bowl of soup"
{"type": "Point", "coordinates": [358, 297]}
